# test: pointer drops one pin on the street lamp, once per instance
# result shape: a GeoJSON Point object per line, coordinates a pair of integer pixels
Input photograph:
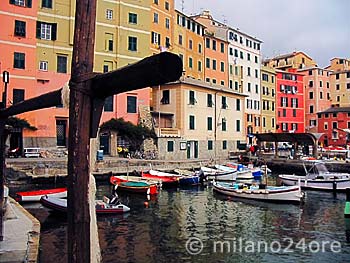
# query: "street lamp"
{"type": "Point", "coordinates": [6, 80]}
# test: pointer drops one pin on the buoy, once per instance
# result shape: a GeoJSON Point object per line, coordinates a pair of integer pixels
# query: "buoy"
{"type": "Point", "coordinates": [146, 204]}
{"type": "Point", "coordinates": [347, 204]}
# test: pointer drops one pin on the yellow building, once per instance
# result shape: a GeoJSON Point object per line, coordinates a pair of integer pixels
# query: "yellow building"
{"type": "Point", "coordinates": [295, 60]}
{"type": "Point", "coordinates": [268, 99]}
{"type": "Point", "coordinates": [189, 45]}
{"type": "Point", "coordinates": [339, 64]}
{"type": "Point", "coordinates": [197, 120]}
{"type": "Point", "coordinates": [340, 88]}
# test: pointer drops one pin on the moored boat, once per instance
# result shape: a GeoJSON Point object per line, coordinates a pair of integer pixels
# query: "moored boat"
{"type": "Point", "coordinates": [167, 179]}
{"type": "Point", "coordinates": [102, 206]}
{"type": "Point", "coordinates": [34, 196]}
{"type": "Point", "coordinates": [287, 194]}
{"type": "Point", "coordinates": [319, 178]}
{"type": "Point", "coordinates": [135, 184]}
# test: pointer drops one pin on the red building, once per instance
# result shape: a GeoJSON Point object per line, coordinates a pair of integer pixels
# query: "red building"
{"type": "Point", "coordinates": [290, 110]}
{"type": "Point", "coordinates": [334, 123]}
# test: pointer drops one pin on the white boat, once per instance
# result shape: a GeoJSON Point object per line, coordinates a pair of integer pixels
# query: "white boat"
{"type": "Point", "coordinates": [239, 174]}
{"type": "Point", "coordinates": [288, 194]}
{"type": "Point", "coordinates": [35, 195]}
{"type": "Point", "coordinates": [319, 178]}
{"type": "Point", "coordinates": [104, 206]}
{"type": "Point", "coordinates": [219, 175]}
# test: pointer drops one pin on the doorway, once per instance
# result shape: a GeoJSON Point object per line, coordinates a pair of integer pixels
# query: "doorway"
{"type": "Point", "coordinates": [105, 142]}
{"type": "Point", "coordinates": [61, 132]}
{"type": "Point", "coordinates": [192, 149]}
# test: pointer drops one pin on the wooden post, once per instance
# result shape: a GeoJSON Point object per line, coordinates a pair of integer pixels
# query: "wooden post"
{"type": "Point", "coordinates": [80, 107]}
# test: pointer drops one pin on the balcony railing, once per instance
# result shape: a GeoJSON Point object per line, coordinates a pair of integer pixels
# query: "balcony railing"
{"type": "Point", "coordinates": [167, 132]}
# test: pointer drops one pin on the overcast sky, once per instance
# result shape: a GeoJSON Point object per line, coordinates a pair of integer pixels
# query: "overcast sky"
{"type": "Point", "coordinates": [320, 28]}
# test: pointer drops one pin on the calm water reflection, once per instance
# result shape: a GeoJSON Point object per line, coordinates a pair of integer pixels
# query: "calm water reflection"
{"type": "Point", "coordinates": [159, 232]}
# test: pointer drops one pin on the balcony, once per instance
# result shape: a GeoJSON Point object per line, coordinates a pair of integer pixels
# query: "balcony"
{"type": "Point", "coordinates": [167, 132]}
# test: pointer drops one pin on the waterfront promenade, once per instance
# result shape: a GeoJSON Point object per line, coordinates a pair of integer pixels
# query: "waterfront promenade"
{"type": "Point", "coordinates": [21, 235]}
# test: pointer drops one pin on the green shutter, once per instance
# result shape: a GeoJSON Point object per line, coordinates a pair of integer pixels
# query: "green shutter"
{"type": "Point", "coordinates": [54, 32]}
{"type": "Point", "coordinates": [38, 29]}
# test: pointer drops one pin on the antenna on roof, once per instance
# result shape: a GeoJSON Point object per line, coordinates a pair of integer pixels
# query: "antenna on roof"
{"type": "Point", "coordinates": [224, 19]}
{"type": "Point", "coordinates": [182, 5]}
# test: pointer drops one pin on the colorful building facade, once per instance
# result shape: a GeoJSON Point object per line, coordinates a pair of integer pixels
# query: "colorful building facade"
{"type": "Point", "coordinates": [268, 99]}
{"type": "Point", "coordinates": [334, 123]}
{"type": "Point", "coordinates": [290, 108]}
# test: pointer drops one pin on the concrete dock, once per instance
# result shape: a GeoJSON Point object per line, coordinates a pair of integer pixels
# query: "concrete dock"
{"type": "Point", "coordinates": [21, 235]}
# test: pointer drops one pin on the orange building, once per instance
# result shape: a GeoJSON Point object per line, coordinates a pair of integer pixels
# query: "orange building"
{"type": "Point", "coordinates": [18, 56]}
{"type": "Point", "coordinates": [216, 65]}
{"type": "Point", "coordinates": [189, 45]}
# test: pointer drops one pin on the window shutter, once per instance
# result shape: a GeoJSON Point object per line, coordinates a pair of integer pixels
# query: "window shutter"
{"type": "Point", "coordinates": [54, 32]}
{"type": "Point", "coordinates": [29, 3]}
{"type": "Point", "coordinates": [38, 29]}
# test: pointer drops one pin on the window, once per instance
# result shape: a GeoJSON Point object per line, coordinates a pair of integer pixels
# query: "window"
{"type": "Point", "coordinates": [46, 3]}
{"type": "Point", "coordinates": [214, 64]}
{"type": "Point", "coordinates": [61, 64]}
{"type": "Point", "coordinates": [167, 42]}
{"type": "Point", "coordinates": [155, 18]}
{"type": "Point", "coordinates": [24, 3]}
{"type": "Point", "coordinates": [131, 104]}
{"type": "Point", "coordinates": [170, 147]}
{"type": "Point", "coordinates": [311, 108]}
{"type": "Point", "coordinates": [155, 38]}
{"type": "Point", "coordinates": [199, 65]}
{"type": "Point", "coordinates": [190, 44]}
{"type": "Point", "coordinates": [18, 95]}
{"type": "Point", "coordinates": [311, 83]}
{"type": "Point", "coordinates": [43, 65]}
{"type": "Point", "coordinates": [132, 18]}
{"type": "Point", "coordinates": [47, 31]}
{"type": "Point", "coordinates": [223, 102]}
{"type": "Point", "coordinates": [210, 102]}
{"type": "Point", "coordinates": [19, 60]}
{"type": "Point", "coordinates": [109, 14]}
{"type": "Point", "coordinates": [190, 62]}
{"type": "Point", "coordinates": [166, 97]}
{"type": "Point", "coordinates": [348, 85]}
{"type": "Point", "coordinates": [192, 100]}
{"type": "Point", "coordinates": [210, 123]}
{"type": "Point", "coordinates": [166, 5]}
{"type": "Point", "coordinates": [210, 145]}
{"type": "Point", "coordinates": [311, 95]}
{"type": "Point", "coordinates": [337, 76]}
{"type": "Point", "coordinates": [132, 43]}
{"type": "Point", "coordinates": [223, 124]}
{"type": "Point", "coordinates": [200, 48]}
{"type": "Point", "coordinates": [207, 43]}
{"type": "Point", "coordinates": [222, 66]}
{"type": "Point", "coordinates": [238, 105]}
{"type": "Point", "coordinates": [214, 44]}
{"type": "Point", "coordinates": [108, 104]}
{"type": "Point", "coordinates": [110, 45]}
{"type": "Point", "coordinates": [326, 126]}
{"type": "Point", "coordinates": [321, 83]}
{"type": "Point", "coordinates": [248, 71]}
{"type": "Point", "coordinates": [222, 47]}
{"type": "Point", "coordinates": [191, 122]}
{"type": "Point", "coordinates": [167, 23]}
{"type": "Point", "coordinates": [224, 145]}
{"type": "Point", "coordinates": [256, 73]}
{"type": "Point", "coordinates": [334, 125]}
{"type": "Point", "coordinates": [180, 40]}
{"type": "Point", "coordinates": [155, 1]}
{"type": "Point", "coordinates": [207, 62]}
{"type": "Point", "coordinates": [238, 125]}
{"type": "Point", "coordinates": [241, 55]}
{"type": "Point", "coordinates": [256, 59]}
{"type": "Point", "coordinates": [236, 53]}
{"type": "Point", "coordinates": [20, 28]}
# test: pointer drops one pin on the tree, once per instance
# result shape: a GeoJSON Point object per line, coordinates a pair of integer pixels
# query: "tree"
{"type": "Point", "coordinates": [135, 134]}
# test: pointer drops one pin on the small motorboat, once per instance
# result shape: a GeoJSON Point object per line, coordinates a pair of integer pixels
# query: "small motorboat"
{"type": "Point", "coordinates": [286, 194]}
{"type": "Point", "coordinates": [105, 206]}
{"type": "Point", "coordinates": [135, 184]}
{"type": "Point", "coordinates": [318, 178]}
{"type": "Point", "coordinates": [34, 196]}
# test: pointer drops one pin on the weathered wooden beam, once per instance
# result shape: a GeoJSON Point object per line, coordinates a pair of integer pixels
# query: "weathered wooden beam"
{"type": "Point", "coordinates": [151, 71]}
{"type": "Point", "coordinates": [46, 100]}
{"type": "Point", "coordinates": [3, 136]}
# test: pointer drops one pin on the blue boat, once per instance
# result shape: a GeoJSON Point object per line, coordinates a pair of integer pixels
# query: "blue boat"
{"type": "Point", "coordinates": [189, 180]}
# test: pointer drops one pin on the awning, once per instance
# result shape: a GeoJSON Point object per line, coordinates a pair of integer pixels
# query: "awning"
{"type": "Point", "coordinates": [308, 138]}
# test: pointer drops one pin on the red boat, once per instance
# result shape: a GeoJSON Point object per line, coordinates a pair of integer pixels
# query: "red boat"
{"type": "Point", "coordinates": [167, 179]}
{"type": "Point", "coordinates": [135, 184]}
{"type": "Point", "coordinates": [34, 196]}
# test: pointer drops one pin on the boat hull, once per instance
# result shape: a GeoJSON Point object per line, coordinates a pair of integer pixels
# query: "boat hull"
{"type": "Point", "coordinates": [134, 184]}
{"type": "Point", "coordinates": [273, 194]}
{"type": "Point", "coordinates": [60, 205]}
{"type": "Point", "coordinates": [316, 184]}
{"type": "Point", "coordinates": [35, 196]}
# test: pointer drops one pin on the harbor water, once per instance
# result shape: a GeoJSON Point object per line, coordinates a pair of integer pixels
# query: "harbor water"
{"type": "Point", "coordinates": [195, 224]}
